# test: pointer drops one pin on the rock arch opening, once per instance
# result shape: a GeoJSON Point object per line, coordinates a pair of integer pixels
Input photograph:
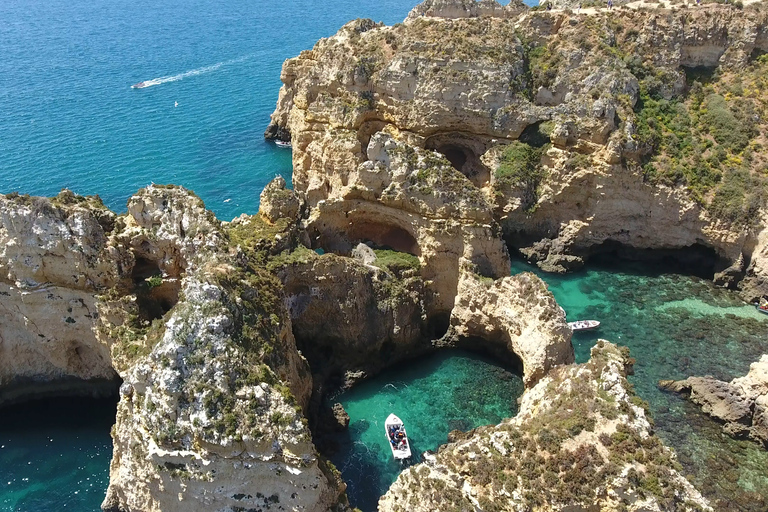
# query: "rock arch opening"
{"type": "Point", "coordinates": [496, 349]}
{"type": "Point", "coordinates": [379, 234]}
{"type": "Point", "coordinates": [463, 153]}
{"type": "Point", "coordinates": [534, 136]}
{"type": "Point", "coordinates": [156, 293]}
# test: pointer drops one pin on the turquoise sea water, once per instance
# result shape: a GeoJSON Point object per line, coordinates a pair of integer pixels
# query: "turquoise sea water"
{"type": "Point", "coordinates": [677, 326]}
{"type": "Point", "coordinates": [54, 454]}
{"type": "Point", "coordinates": [450, 390]}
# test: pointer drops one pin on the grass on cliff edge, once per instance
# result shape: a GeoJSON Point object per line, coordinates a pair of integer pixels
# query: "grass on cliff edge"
{"type": "Point", "coordinates": [711, 140]}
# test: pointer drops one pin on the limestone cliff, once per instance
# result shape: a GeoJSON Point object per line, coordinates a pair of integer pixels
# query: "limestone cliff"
{"type": "Point", "coordinates": [462, 80]}
{"type": "Point", "coordinates": [55, 256]}
{"type": "Point", "coordinates": [517, 314]}
{"type": "Point", "coordinates": [211, 404]}
{"type": "Point", "coordinates": [210, 415]}
{"type": "Point", "coordinates": [579, 442]}
{"type": "Point", "coordinates": [742, 404]}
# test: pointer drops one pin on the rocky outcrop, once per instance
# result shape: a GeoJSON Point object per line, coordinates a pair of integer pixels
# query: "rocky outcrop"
{"type": "Point", "coordinates": [409, 200]}
{"type": "Point", "coordinates": [742, 404]}
{"type": "Point", "coordinates": [210, 415]}
{"type": "Point", "coordinates": [211, 411]}
{"type": "Point", "coordinates": [452, 9]}
{"type": "Point", "coordinates": [351, 317]}
{"type": "Point", "coordinates": [513, 315]}
{"type": "Point", "coordinates": [55, 256]}
{"type": "Point", "coordinates": [579, 442]}
{"type": "Point", "coordinates": [465, 79]}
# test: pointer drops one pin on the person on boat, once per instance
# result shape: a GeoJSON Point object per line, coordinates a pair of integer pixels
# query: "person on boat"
{"type": "Point", "coordinates": [763, 304]}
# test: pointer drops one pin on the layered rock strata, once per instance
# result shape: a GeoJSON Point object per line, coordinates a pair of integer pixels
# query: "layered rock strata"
{"type": "Point", "coordinates": [462, 80]}
{"type": "Point", "coordinates": [55, 256]}
{"type": "Point", "coordinates": [579, 442]}
{"type": "Point", "coordinates": [742, 404]}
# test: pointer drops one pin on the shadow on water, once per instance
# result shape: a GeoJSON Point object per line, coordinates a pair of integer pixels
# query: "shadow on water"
{"type": "Point", "coordinates": [676, 326]}
{"type": "Point", "coordinates": [55, 453]}
{"type": "Point", "coordinates": [449, 390]}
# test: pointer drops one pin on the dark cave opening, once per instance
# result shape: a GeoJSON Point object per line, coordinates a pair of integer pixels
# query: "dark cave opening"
{"type": "Point", "coordinates": [156, 294]}
{"type": "Point", "coordinates": [438, 323]}
{"type": "Point", "coordinates": [463, 152]}
{"type": "Point", "coordinates": [533, 136]}
{"type": "Point", "coordinates": [697, 259]}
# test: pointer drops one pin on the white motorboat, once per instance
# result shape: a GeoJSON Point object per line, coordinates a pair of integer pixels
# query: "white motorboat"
{"type": "Point", "coordinates": [397, 438]}
{"type": "Point", "coordinates": [583, 325]}
{"type": "Point", "coordinates": [282, 144]}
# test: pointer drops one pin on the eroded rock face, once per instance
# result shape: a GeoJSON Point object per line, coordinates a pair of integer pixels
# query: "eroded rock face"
{"type": "Point", "coordinates": [210, 415]}
{"type": "Point", "coordinates": [55, 257]}
{"type": "Point", "coordinates": [578, 443]}
{"type": "Point", "coordinates": [211, 405]}
{"type": "Point", "coordinates": [517, 314]}
{"type": "Point", "coordinates": [351, 316]}
{"type": "Point", "coordinates": [742, 404]}
{"type": "Point", "coordinates": [421, 86]}
{"type": "Point", "coordinates": [413, 201]}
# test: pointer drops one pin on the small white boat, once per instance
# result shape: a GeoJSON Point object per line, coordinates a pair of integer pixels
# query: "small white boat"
{"type": "Point", "coordinates": [397, 438]}
{"type": "Point", "coordinates": [282, 144]}
{"type": "Point", "coordinates": [583, 325]}
{"type": "Point", "coordinates": [140, 85]}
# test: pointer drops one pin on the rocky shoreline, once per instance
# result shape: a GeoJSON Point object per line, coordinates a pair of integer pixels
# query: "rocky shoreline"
{"type": "Point", "coordinates": [423, 153]}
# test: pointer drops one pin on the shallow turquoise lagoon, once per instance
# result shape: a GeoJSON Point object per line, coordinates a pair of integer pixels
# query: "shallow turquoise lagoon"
{"type": "Point", "coordinates": [54, 455]}
{"type": "Point", "coordinates": [450, 390]}
{"type": "Point", "coordinates": [677, 326]}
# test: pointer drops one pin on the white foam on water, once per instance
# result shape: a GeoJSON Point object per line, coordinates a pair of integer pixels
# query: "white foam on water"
{"type": "Point", "coordinates": [193, 72]}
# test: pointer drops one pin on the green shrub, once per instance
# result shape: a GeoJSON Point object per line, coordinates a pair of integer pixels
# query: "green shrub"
{"type": "Point", "coordinates": [521, 167]}
{"type": "Point", "coordinates": [154, 281]}
{"type": "Point", "coordinates": [396, 262]}
{"type": "Point", "coordinates": [724, 126]}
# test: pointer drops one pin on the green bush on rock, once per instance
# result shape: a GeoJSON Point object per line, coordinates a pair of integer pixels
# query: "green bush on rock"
{"type": "Point", "coordinates": [521, 167]}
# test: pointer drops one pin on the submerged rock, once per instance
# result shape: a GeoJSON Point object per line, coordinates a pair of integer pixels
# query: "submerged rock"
{"type": "Point", "coordinates": [742, 404]}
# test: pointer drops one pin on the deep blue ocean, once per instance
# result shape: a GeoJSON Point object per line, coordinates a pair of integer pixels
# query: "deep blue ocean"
{"type": "Point", "coordinates": [69, 118]}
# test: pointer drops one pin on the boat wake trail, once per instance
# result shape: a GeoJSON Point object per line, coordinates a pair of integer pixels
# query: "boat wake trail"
{"type": "Point", "coordinates": [187, 74]}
